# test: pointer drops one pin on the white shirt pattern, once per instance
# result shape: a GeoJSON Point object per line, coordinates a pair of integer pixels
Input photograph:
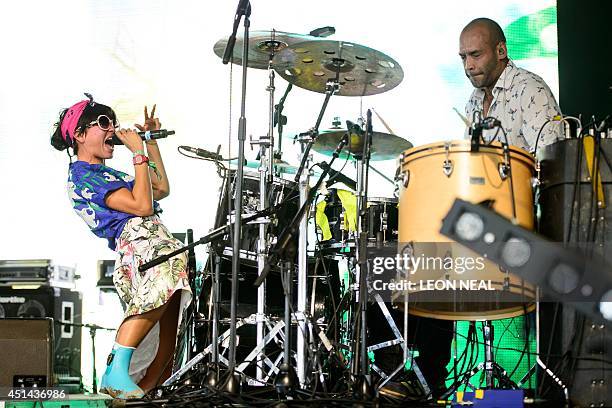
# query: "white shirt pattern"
{"type": "Point", "coordinates": [523, 103]}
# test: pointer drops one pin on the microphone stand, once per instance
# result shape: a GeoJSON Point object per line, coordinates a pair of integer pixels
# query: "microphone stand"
{"type": "Point", "coordinates": [232, 382]}
{"type": "Point", "coordinates": [92, 332]}
{"type": "Point", "coordinates": [476, 132]}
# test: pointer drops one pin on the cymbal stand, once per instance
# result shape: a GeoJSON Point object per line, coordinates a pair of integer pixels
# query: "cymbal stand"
{"type": "Point", "coordinates": [302, 177]}
{"type": "Point", "coordinates": [362, 386]}
{"type": "Point", "coordinates": [309, 137]}
{"type": "Point", "coordinates": [266, 177]}
{"type": "Point", "coordinates": [280, 251]}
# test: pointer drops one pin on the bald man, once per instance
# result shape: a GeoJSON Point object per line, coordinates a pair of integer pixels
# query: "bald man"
{"type": "Point", "coordinates": [520, 99]}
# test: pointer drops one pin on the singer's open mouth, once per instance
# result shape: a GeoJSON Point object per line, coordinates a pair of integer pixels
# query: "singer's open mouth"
{"type": "Point", "coordinates": [109, 142]}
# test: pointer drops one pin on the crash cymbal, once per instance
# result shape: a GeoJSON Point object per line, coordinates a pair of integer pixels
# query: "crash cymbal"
{"type": "Point", "coordinates": [361, 70]}
{"type": "Point", "coordinates": [261, 44]}
{"type": "Point", "coordinates": [385, 146]}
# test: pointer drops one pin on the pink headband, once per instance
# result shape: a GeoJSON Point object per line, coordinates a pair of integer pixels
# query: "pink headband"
{"type": "Point", "coordinates": [72, 116]}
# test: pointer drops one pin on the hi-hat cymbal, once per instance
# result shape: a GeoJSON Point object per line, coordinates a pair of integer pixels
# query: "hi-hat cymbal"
{"type": "Point", "coordinates": [261, 45]}
{"type": "Point", "coordinates": [281, 165]}
{"type": "Point", "coordinates": [361, 70]}
{"type": "Point", "coordinates": [385, 146]}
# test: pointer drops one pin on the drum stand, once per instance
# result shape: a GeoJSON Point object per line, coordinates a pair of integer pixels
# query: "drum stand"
{"type": "Point", "coordinates": [408, 356]}
{"type": "Point", "coordinates": [492, 370]}
{"type": "Point", "coordinates": [539, 361]}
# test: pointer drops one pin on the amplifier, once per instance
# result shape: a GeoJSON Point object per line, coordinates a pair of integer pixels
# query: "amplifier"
{"type": "Point", "coordinates": [26, 350]}
{"type": "Point", "coordinates": [568, 208]}
{"type": "Point", "coordinates": [36, 270]}
{"type": "Point", "coordinates": [61, 304]}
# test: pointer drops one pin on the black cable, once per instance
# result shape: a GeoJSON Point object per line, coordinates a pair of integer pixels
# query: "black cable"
{"type": "Point", "coordinates": [527, 334]}
{"type": "Point", "coordinates": [535, 148]}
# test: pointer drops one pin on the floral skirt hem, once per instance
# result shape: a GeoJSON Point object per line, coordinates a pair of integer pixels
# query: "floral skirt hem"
{"type": "Point", "coordinates": [144, 239]}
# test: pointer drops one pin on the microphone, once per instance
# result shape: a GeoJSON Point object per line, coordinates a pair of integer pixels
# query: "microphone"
{"type": "Point", "coordinates": [353, 128]}
{"type": "Point", "coordinates": [337, 176]}
{"type": "Point", "coordinates": [153, 134]}
{"type": "Point", "coordinates": [205, 154]}
{"type": "Point", "coordinates": [244, 8]}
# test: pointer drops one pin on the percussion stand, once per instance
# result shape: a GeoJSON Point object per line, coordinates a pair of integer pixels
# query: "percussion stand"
{"type": "Point", "coordinates": [361, 386]}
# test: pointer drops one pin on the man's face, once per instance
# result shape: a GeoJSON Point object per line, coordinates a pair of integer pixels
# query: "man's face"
{"type": "Point", "coordinates": [483, 62]}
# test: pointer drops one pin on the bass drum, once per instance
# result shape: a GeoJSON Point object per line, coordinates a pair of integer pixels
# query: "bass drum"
{"type": "Point", "coordinates": [431, 177]}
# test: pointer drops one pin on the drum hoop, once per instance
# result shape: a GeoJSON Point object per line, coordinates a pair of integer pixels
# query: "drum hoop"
{"type": "Point", "coordinates": [387, 200]}
{"type": "Point", "coordinates": [277, 181]}
{"type": "Point", "coordinates": [514, 150]}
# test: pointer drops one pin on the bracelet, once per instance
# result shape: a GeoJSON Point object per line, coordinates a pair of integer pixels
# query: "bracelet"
{"type": "Point", "coordinates": [138, 153]}
{"type": "Point", "coordinates": [153, 166]}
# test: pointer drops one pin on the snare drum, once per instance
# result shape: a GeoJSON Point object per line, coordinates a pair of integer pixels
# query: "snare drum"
{"type": "Point", "coordinates": [431, 177]}
{"type": "Point", "coordinates": [336, 220]}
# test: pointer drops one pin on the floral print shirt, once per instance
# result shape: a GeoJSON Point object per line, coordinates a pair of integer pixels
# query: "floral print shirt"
{"type": "Point", "coordinates": [88, 186]}
{"type": "Point", "coordinates": [523, 103]}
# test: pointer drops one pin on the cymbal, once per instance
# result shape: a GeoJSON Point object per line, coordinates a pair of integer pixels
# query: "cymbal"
{"type": "Point", "coordinates": [261, 44]}
{"type": "Point", "coordinates": [281, 165]}
{"type": "Point", "coordinates": [385, 146]}
{"type": "Point", "coordinates": [361, 70]}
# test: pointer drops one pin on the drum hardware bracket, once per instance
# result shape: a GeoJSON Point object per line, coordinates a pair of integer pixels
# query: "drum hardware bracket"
{"type": "Point", "coordinates": [264, 141]}
{"type": "Point", "coordinates": [447, 165]}
{"type": "Point", "coordinates": [402, 179]}
{"type": "Point", "coordinates": [504, 170]}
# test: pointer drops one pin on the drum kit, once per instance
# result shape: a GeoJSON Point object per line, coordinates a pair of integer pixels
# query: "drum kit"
{"type": "Point", "coordinates": [264, 222]}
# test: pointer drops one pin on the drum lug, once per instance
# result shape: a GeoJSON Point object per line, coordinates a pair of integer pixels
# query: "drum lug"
{"type": "Point", "coordinates": [447, 167]}
{"type": "Point", "coordinates": [401, 181]}
{"type": "Point", "coordinates": [504, 170]}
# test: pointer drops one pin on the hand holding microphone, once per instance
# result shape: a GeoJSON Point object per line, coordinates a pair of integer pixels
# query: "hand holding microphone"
{"type": "Point", "coordinates": [128, 137]}
{"type": "Point", "coordinates": [147, 136]}
{"type": "Point", "coordinates": [149, 131]}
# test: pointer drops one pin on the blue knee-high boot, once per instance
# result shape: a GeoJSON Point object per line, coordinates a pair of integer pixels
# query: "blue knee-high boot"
{"type": "Point", "coordinates": [116, 380]}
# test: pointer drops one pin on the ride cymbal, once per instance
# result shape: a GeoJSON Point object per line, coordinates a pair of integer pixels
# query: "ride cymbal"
{"type": "Point", "coordinates": [360, 70]}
